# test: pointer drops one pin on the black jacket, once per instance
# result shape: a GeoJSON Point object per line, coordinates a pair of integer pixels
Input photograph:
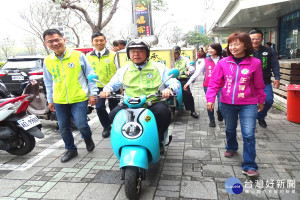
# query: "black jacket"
{"type": "Point", "coordinates": [269, 61]}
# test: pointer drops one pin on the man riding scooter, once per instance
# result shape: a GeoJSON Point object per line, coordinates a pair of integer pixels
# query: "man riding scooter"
{"type": "Point", "coordinates": [183, 65]}
{"type": "Point", "coordinates": [143, 77]}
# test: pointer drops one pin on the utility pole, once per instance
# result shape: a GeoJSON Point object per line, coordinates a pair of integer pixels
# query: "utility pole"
{"type": "Point", "coordinates": [133, 27]}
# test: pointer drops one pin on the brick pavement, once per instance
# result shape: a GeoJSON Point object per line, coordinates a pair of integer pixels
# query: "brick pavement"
{"type": "Point", "coordinates": [193, 166]}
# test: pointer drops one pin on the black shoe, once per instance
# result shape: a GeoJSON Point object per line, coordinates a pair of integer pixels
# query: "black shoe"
{"type": "Point", "coordinates": [194, 114]}
{"type": "Point", "coordinates": [69, 155]}
{"type": "Point", "coordinates": [262, 123]}
{"type": "Point", "coordinates": [106, 132]}
{"type": "Point", "coordinates": [212, 123]}
{"type": "Point", "coordinates": [220, 117]}
{"type": "Point", "coordinates": [90, 145]}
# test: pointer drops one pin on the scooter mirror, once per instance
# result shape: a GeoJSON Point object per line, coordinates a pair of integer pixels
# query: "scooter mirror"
{"type": "Point", "coordinates": [92, 77]}
{"type": "Point", "coordinates": [174, 72]}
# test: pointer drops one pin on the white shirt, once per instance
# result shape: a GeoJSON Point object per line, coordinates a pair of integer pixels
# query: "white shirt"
{"type": "Point", "coordinates": [200, 69]}
{"type": "Point", "coordinates": [101, 52]}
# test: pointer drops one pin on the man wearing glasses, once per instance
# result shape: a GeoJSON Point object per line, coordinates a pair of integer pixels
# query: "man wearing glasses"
{"type": "Point", "coordinates": [104, 64]}
{"type": "Point", "coordinates": [68, 91]}
{"type": "Point", "coordinates": [143, 77]}
{"type": "Point", "coordinates": [270, 64]}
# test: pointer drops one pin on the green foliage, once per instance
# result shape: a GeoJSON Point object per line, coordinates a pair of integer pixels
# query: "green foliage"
{"type": "Point", "coordinates": [1, 64]}
{"type": "Point", "coordinates": [158, 5]}
{"type": "Point", "coordinates": [195, 38]}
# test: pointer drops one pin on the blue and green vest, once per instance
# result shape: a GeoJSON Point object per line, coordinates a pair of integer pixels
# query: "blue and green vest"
{"type": "Point", "coordinates": [104, 66]}
{"type": "Point", "coordinates": [66, 85]}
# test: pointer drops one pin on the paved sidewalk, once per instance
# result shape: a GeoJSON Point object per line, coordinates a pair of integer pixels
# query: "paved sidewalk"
{"type": "Point", "coordinates": [193, 166]}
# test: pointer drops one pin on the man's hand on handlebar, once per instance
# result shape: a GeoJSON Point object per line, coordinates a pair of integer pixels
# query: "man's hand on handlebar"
{"type": "Point", "coordinates": [93, 100]}
{"type": "Point", "coordinates": [104, 94]}
{"type": "Point", "coordinates": [166, 93]}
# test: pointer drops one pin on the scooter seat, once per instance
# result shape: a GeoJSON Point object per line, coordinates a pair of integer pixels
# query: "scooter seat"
{"type": "Point", "coordinates": [38, 106]}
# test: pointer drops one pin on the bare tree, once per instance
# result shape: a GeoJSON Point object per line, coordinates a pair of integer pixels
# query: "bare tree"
{"type": "Point", "coordinates": [73, 20]}
{"type": "Point", "coordinates": [40, 17]}
{"type": "Point", "coordinates": [7, 46]}
{"type": "Point", "coordinates": [174, 35]}
{"type": "Point", "coordinates": [104, 8]}
{"type": "Point", "coordinates": [83, 6]}
{"type": "Point", "coordinates": [30, 44]}
{"type": "Point", "coordinates": [157, 5]}
{"type": "Point", "coordinates": [161, 30]}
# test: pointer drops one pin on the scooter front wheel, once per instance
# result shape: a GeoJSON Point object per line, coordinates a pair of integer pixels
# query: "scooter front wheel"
{"type": "Point", "coordinates": [133, 183]}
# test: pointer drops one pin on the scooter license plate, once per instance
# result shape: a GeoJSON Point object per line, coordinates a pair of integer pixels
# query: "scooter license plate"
{"type": "Point", "coordinates": [29, 122]}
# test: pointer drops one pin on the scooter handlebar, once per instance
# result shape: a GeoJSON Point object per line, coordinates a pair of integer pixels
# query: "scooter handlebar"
{"type": "Point", "coordinates": [113, 95]}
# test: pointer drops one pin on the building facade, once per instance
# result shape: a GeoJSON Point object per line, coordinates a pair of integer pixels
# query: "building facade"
{"type": "Point", "coordinates": [279, 20]}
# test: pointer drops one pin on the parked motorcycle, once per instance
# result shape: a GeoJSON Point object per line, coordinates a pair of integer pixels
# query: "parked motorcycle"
{"type": "Point", "coordinates": [3, 91]}
{"type": "Point", "coordinates": [35, 89]}
{"type": "Point", "coordinates": [17, 129]}
{"type": "Point", "coordinates": [135, 139]}
{"type": "Point", "coordinates": [38, 105]}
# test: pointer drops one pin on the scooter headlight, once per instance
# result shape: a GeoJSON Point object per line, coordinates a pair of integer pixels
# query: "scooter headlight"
{"type": "Point", "coordinates": [132, 130]}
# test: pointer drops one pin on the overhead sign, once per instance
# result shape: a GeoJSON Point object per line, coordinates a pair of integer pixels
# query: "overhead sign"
{"type": "Point", "coordinates": [142, 19]}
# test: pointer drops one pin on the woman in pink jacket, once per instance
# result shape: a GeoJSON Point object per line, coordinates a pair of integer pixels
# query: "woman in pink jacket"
{"type": "Point", "coordinates": [207, 66]}
{"type": "Point", "coordinates": [242, 95]}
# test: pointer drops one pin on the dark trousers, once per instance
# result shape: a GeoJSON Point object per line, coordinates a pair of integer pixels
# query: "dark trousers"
{"type": "Point", "coordinates": [211, 113]}
{"type": "Point", "coordinates": [187, 96]}
{"type": "Point", "coordinates": [64, 113]}
{"type": "Point", "coordinates": [101, 109]}
{"type": "Point", "coordinates": [161, 112]}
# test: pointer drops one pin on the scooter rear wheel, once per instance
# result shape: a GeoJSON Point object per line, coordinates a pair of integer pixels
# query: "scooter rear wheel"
{"type": "Point", "coordinates": [132, 183]}
{"type": "Point", "coordinates": [23, 144]}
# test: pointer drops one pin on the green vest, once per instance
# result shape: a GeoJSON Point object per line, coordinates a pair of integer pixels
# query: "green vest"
{"type": "Point", "coordinates": [65, 74]}
{"type": "Point", "coordinates": [180, 65]}
{"type": "Point", "coordinates": [142, 82]}
{"type": "Point", "coordinates": [104, 67]}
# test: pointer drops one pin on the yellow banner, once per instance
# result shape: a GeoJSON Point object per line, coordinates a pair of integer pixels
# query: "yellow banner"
{"type": "Point", "coordinates": [158, 55]}
{"type": "Point", "coordinates": [190, 53]}
{"type": "Point", "coordinates": [224, 46]}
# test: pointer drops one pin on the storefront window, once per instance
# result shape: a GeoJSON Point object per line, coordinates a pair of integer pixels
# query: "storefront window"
{"type": "Point", "coordinates": [290, 36]}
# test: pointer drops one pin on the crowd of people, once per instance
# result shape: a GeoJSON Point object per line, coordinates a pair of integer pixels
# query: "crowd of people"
{"type": "Point", "coordinates": [240, 78]}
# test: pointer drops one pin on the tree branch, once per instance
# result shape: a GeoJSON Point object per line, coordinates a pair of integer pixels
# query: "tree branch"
{"type": "Point", "coordinates": [110, 15]}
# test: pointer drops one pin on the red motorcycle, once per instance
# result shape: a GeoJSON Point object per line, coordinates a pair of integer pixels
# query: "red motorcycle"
{"type": "Point", "coordinates": [18, 129]}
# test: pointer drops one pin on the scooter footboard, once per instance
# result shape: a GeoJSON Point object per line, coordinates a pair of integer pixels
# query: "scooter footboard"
{"type": "Point", "coordinates": [134, 156]}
